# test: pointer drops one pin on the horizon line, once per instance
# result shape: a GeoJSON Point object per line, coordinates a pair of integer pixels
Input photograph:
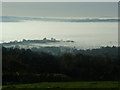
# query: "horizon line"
{"type": "Point", "coordinates": [58, 19]}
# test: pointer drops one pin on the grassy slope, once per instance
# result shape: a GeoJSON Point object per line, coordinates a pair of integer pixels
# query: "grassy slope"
{"type": "Point", "coordinates": [67, 85]}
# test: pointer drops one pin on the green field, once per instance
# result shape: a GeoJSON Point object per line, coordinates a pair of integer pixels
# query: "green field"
{"type": "Point", "coordinates": [66, 85]}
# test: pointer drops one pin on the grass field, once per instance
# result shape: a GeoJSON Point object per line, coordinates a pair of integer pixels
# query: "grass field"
{"type": "Point", "coordinates": [66, 85]}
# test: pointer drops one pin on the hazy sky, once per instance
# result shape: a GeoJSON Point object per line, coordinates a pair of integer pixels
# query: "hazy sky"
{"type": "Point", "coordinates": [60, 9]}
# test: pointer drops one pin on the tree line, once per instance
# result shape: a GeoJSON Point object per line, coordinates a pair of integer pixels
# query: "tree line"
{"type": "Point", "coordinates": [26, 66]}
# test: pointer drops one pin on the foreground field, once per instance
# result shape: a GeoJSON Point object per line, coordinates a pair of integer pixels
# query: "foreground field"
{"type": "Point", "coordinates": [67, 85]}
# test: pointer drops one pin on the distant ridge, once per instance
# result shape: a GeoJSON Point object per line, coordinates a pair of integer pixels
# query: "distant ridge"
{"type": "Point", "coordinates": [55, 19]}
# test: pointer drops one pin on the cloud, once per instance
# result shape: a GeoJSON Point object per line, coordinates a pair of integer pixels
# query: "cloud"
{"type": "Point", "coordinates": [55, 19]}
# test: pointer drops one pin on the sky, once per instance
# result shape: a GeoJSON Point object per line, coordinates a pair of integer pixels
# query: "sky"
{"type": "Point", "coordinates": [60, 9]}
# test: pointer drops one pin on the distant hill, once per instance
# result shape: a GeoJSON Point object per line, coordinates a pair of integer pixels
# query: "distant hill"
{"type": "Point", "coordinates": [24, 41]}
